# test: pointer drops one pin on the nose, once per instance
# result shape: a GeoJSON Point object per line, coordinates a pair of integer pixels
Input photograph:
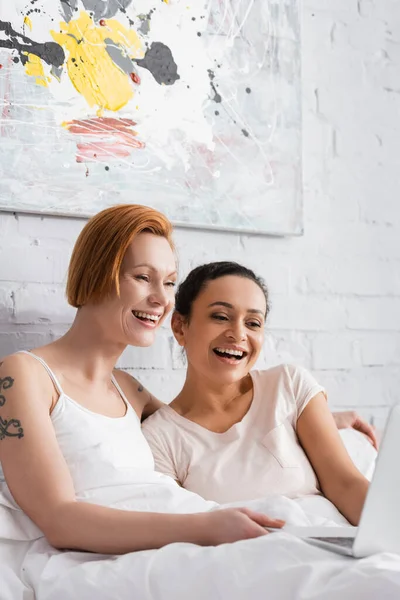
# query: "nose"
{"type": "Point", "coordinates": [236, 332]}
{"type": "Point", "coordinates": [159, 296]}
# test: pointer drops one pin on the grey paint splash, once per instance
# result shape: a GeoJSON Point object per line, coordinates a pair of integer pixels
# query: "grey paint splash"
{"type": "Point", "coordinates": [101, 9]}
{"type": "Point", "coordinates": [116, 54]}
{"type": "Point", "coordinates": [145, 22]}
{"type": "Point", "coordinates": [51, 52]}
{"type": "Point", "coordinates": [159, 61]}
{"type": "Point", "coordinates": [56, 72]}
{"type": "Point", "coordinates": [68, 8]}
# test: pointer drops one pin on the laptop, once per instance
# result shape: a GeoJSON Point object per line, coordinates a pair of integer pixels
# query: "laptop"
{"type": "Point", "coordinates": [379, 527]}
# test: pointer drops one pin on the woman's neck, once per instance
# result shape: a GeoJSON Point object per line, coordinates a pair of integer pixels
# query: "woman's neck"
{"type": "Point", "coordinates": [200, 395]}
{"type": "Point", "coordinates": [86, 345]}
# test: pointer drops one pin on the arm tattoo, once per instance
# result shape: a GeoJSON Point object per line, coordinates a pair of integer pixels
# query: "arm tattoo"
{"type": "Point", "coordinates": [141, 388]}
{"type": "Point", "coordinates": [11, 424]}
{"type": "Point", "coordinates": [5, 384]}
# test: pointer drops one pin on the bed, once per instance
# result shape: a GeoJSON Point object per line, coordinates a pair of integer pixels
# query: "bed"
{"type": "Point", "coordinates": [277, 566]}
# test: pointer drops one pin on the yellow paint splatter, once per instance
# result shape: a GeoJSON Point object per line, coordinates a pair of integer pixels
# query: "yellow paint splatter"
{"type": "Point", "coordinates": [34, 67]}
{"type": "Point", "coordinates": [28, 23]}
{"type": "Point", "coordinates": [91, 69]}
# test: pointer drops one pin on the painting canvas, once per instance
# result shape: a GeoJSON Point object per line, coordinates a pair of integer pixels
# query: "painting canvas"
{"type": "Point", "coordinates": [189, 106]}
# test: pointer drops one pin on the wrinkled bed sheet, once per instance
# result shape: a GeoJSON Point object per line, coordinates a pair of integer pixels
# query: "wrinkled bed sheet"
{"type": "Point", "coordinates": [277, 566]}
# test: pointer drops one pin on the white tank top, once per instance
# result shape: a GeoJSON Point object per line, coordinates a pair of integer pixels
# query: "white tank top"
{"type": "Point", "coordinates": [110, 463]}
{"type": "Point", "coordinates": [100, 450]}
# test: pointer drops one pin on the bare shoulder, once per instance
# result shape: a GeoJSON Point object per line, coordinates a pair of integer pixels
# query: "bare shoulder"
{"type": "Point", "coordinates": [18, 364]}
{"type": "Point", "coordinates": [144, 403]}
{"type": "Point", "coordinates": [24, 376]}
{"type": "Point", "coordinates": [134, 391]}
{"type": "Point", "coordinates": [127, 382]}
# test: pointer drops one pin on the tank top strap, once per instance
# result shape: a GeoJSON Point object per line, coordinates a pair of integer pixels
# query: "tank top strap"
{"type": "Point", "coordinates": [119, 389]}
{"type": "Point", "coordinates": [46, 366]}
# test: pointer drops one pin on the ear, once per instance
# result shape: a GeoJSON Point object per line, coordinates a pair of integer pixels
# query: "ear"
{"type": "Point", "coordinates": [178, 327]}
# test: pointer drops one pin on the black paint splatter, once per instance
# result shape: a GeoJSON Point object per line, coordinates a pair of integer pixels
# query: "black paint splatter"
{"type": "Point", "coordinates": [248, 90]}
{"type": "Point", "coordinates": [159, 61]}
{"type": "Point", "coordinates": [33, 10]}
{"type": "Point", "coordinates": [245, 132]}
{"type": "Point", "coordinates": [130, 21]}
{"type": "Point", "coordinates": [217, 97]}
{"type": "Point", "coordinates": [51, 52]}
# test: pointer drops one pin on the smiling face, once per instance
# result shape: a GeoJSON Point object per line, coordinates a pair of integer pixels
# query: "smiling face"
{"type": "Point", "coordinates": [224, 335]}
{"type": "Point", "coordinates": [147, 281]}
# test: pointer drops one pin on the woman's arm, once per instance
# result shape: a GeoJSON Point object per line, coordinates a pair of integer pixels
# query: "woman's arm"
{"type": "Point", "coordinates": [40, 481]}
{"type": "Point", "coordinates": [142, 401]}
{"type": "Point", "coordinates": [340, 480]}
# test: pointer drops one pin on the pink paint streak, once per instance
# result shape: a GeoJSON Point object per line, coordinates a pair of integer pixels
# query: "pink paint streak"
{"type": "Point", "coordinates": [204, 165]}
{"type": "Point", "coordinates": [7, 93]}
{"type": "Point", "coordinates": [110, 138]}
{"type": "Point", "coordinates": [96, 151]}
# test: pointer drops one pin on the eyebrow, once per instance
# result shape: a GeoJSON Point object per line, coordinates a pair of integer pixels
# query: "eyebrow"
{"type": "Point", "coordinates": [228, 305]}
{"type": "Point", "coordinates": [152, 268]}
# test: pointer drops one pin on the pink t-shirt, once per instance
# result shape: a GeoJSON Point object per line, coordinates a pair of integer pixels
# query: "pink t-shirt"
{"type": "Point", "coordinates": [259, 456]}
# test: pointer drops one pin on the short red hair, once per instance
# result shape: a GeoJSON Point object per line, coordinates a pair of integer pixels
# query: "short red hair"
{"type": "Point", "coordinates": [97, 256]}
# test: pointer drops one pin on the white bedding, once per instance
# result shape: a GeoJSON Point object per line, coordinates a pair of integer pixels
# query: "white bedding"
{"type": "Point", "coordinates": [277, 566]}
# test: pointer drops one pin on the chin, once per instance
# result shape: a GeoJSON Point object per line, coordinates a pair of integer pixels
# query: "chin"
{"type": "Point", "coordinates": [141, 341]}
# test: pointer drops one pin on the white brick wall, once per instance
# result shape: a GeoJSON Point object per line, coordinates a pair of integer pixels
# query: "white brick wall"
{"type": "Point", "coordinates": [336, 290]}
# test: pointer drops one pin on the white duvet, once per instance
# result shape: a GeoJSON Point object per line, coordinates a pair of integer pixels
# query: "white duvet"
{"type": "Point", "coordinates": [277, 566]}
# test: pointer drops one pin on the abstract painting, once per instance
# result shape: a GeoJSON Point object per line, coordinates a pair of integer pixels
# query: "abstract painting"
{"type": "Point", "coordinates": [189, 106]}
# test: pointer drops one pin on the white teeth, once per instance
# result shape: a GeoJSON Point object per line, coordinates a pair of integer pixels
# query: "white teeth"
{"type": "Point", "coordinates": [230, 351]}
{"type": "Point", "coordinates": [144, 315]}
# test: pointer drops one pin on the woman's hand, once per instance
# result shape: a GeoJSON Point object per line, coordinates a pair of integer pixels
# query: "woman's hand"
{"type": "Point", "coordinates": [350, 419]}
{"type": "Point", "coordinates": [233, 524]}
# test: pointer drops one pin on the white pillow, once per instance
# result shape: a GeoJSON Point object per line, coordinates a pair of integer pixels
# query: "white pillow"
{"type": "Point", "coordinates": [361, 451]}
